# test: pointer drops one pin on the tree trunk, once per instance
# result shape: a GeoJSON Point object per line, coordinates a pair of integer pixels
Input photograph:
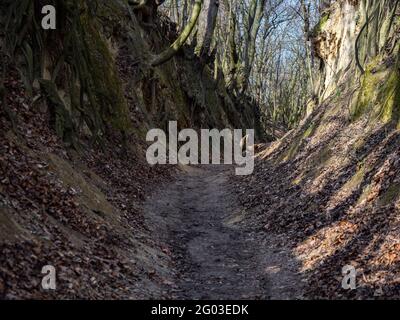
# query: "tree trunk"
{"type": "Point", "coordinates": [207, 23]}
{"type": "Point", "coordinates": [180, 41]}
{"type": "Point", "coordinates": [256, 14]}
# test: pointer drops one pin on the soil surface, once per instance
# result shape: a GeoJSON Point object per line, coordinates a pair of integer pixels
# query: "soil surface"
{"type": "Point", "coordinates": [216, 255]}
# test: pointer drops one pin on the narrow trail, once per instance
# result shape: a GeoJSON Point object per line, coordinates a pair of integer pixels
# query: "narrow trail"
{"type": "Point", "coordinates": [215, 255]}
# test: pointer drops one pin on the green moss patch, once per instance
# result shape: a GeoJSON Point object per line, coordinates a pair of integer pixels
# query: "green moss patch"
{"type": "Point", "coordinates": [390, 195]}
{"type": "Point", "coordinates": [390, 98]}
{"type": "Point", "coordinates": [356, 179]}
{"type": "Point", "coordinates": [321, 24]}
{"type": "Point", "coordinates": [379, 94]}
{"type": "Point", "coordinates": [309, 131]}
{"type": "Point", "coordinates": [367, 97]}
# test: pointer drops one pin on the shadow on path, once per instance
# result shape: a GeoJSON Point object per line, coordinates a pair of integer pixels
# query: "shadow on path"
{"type": "Point", "coordinates": [215, 256]}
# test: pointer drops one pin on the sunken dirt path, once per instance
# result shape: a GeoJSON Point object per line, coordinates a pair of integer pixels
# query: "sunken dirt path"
{"type": "Point", "coordinates": [214, 254]}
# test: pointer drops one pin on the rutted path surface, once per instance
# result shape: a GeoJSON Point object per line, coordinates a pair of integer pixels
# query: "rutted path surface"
{"type": "Point", "coordinates": [214, 255]}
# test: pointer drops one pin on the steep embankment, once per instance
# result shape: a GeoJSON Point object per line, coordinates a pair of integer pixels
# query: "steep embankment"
{"type": "Point", "coordinates": [76, 104]}
{"type": "Point", "coordinates": [331, 188]}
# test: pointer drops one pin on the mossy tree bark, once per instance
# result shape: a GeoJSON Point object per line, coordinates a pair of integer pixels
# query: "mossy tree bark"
{"type": "Point", "coordinates": [231, 73]}
{"type": "Point", "coordinates": [180, 41]}
{"type": "Point", "coordinates": [207, 24]}
{"type": "Point", "coordinates": [255, 16]}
